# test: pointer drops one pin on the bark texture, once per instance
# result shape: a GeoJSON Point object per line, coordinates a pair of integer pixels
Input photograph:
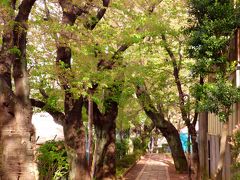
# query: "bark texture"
{"type": "Point", "coordinates": [75, 141]}
{"type": "Point", "coordinates": [105, 152]}
{"type": "Point", "coordinates": [17, 133]}
{"type": "Point", "coordinates": [174, 142]}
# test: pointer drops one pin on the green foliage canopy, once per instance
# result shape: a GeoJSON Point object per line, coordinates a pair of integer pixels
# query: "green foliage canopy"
{"type": "Point", "coordinates": [210, 43]}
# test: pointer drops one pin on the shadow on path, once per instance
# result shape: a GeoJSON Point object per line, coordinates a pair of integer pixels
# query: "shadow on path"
{"type": "Point", "coordinates": [154, 167]}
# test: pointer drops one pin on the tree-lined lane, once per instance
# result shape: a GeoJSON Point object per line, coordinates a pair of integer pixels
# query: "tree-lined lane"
{"type": "Point", "coordinates": [150, 167]}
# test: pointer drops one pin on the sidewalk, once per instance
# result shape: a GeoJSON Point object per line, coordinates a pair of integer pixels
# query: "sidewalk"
{"type": "Point", "coordinates": [154, 167]}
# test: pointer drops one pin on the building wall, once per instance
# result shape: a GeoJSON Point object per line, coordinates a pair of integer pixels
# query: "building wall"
{"type": "Point", "coordinates": [213, 123]}
{"type": "Point", "coordinates": [213, 157]}
{"type": "Point", "coordinates": [215, 126]}
{"type": "Point", "coordinates": [214, 135]}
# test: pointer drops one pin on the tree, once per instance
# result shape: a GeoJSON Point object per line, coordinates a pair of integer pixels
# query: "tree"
{"type": "Point", "coordinates": [71, 119]}
{"type": "Point", "coordinates": [93, 58]}
{"type": "Point", "coordinates": [184, 100]}
{"type": "Point", "coordinates": [155, 89]}
{"type": "Point", "coordinates": [167, 128]}
{"type": "Point", "coordinates": [218, 98]}
{"type": "Point", "coordinates": [106, 56]}
{"type": "Point", "coordinates": [210, 44]}
{"type": "Point", "coordinates": [17, 133]}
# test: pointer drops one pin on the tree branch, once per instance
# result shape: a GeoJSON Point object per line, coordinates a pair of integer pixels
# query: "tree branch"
{"type": "Point", "coordinates": [91, 24]}
{"type": "Point", "coordinates": [180, 55]}
{"type": "Point", "coordinates": [24, 10]}
{"type": "Point", "coordinates": [121, 49]}
{"type": "Point", "coordinates": [70, 11]}
{"type": "Point", "coordinates": [58, 116]}
{"type": "Point", "coordinates": [195, 118]}
{"type": "Point", "coordinates": [43, 93]}
{"type": "Point", "coordinates": [109, 64]}
{"type": "Point", "coordinates": [47, 12]}
{"type": "Point", "coordinates": [20, 40]}
{"type": "Point", "coordinates": [147, 104]}
{"type": "Point", "coordinates": [177, 80]}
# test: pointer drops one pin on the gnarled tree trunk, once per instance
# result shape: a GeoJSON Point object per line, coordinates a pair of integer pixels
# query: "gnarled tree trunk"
{"type": "Point", "coordinates": [75, 141]}
{"type": "Point", "coordinates": [172, 136]}
{"type": "Point", "coordinates": [105, 131]}
{"type": "Point", "coordinates": [17, 145]}
{"type": "Point", "coordinates": [17, 138]}
{"type": "Point", "coordinates": [74, 131]}
{"type": "Point", "coordinates": [184, 104]}
{"type": "Point", "coordinates": [17, 133]}
{"type": "Point", "coordinates": [105, 151]}
{"type": "Point", "coordinates": [166, 128]}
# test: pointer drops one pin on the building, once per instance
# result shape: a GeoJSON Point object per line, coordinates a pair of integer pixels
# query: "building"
{"type": "Point", "coordinates": [210, 128]}
{"type": "Point", "coordinates": [46, 129]}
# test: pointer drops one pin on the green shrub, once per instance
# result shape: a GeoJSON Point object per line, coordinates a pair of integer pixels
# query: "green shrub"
{"type": "Point", "coordinates": [127, 161]}
{"type": "Point", "coordinates": [52, 161]}
{"type": "Point", "coordinates": [137, 143]}
{"type": "Point", "coordinates": [121, 148]}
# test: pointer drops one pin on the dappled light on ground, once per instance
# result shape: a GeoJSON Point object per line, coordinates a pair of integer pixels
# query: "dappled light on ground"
{"type": "Point", "coordinates": [154, 167]}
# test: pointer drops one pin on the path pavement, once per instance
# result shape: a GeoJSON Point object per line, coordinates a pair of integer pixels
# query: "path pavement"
{"type": "Point", "coordinates": [150, 167]}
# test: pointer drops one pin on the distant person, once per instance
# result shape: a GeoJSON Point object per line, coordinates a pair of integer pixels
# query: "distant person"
{"type": "Point", "coordinates": [159, 144]}
{"type": "Point", "coordinates": [151, 145]}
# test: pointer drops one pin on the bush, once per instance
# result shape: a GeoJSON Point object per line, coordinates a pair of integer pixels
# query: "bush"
{"type": "Point", "coordinates": [127, 161]}
{"type": "Point", "coordinates": [121, 148]}
{"type": "Point", "coordinates": [137, 143]}
{"type": "Point", "coordinates": [52, 161]}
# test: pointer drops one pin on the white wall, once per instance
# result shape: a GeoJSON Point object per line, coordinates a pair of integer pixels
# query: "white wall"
{"type": "Point", "coordinates": [46, 128]}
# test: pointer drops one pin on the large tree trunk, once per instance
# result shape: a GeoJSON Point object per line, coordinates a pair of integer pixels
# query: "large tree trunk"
{"type": "Point", "coordinates": [105, 130]}
{"type": "Point", "coordinates": [75, 145]}
{"type": "Point", "coordinates": [74, 131]}
{"type": "Point", "coordinates": [17, 133]}
{"type": "Point", "coordinates": [75, 141]}
{"type": "Point", "coordinates": [105, 151]}
{"type": "Point", "coordinates": [223, 146]}
{"type": "Point", "coordinates": [17, 140]}
{"type": "Point", "coordinates": [174, 142]}
{"type": "Point", "coordinates": [185, 111]}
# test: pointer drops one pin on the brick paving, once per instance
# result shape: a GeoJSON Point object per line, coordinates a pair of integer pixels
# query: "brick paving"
{"type": "Point", "coordinates": [151, 167]}
{"type": "Point", "coordinates": [154, 167]}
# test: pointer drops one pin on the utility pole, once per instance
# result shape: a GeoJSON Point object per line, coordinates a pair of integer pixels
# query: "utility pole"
{"type": "Point", "coordinates": [90, 122]}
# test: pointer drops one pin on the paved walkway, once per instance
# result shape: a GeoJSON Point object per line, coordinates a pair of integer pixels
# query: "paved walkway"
{"type": "Point", "coordinates": [150, 167]}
